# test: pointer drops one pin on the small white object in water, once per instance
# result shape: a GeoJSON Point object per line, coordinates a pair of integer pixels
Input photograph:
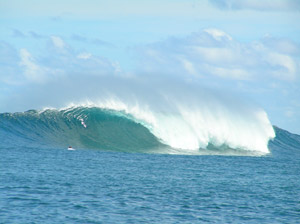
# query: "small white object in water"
{"type": "Point", "coordinates": [70, 148]}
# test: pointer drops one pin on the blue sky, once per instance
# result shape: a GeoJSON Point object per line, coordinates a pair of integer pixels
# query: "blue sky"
{"type": "Point", "coordinates": [249, 48]}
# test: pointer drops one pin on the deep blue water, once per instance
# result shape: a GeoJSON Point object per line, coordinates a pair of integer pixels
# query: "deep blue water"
{"type": "Point", "coordinates": [90, 186]}
{"type": "Point", "coordinates": [117, 174]}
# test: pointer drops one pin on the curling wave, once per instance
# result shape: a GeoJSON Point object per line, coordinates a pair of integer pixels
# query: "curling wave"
{"type": "Point", "coordinates": [179, 114]}
{"type": "Point", "coordinates": [113, 125]}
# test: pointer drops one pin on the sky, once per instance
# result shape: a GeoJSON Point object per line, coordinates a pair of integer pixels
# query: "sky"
{"type": "Point", "coordinates": [249, 48]}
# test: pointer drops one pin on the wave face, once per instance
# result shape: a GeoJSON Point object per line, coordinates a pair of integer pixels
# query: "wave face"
{"type": "Point", "coordinates": [285, 144]}
{"type": "Point", "coordinates": [114, 125]}
{"type": "Point", "coordinates": [79, 127]}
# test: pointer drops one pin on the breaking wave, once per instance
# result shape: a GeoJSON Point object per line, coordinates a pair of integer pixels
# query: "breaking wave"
{"type": "Point", "coordinates": [115, 125]}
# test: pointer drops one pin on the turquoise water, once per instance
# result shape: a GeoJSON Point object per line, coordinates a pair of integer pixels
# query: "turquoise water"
{"type": "Point", "coordinates": [43, 182]}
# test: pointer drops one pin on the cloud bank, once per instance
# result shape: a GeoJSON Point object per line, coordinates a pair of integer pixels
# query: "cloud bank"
{"type": "Point", "coordinates": [261, 5]}
{"type": "Point", "coordinates": [213, 52]}
{"type": "Point", "coordinates": [20, 67]}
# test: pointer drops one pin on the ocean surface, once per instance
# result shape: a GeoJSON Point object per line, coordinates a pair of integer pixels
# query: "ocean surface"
{"type": "Point", "coordinates": [124, 170]}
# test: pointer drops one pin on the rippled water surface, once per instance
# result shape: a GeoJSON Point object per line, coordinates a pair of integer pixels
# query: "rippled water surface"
{"type": "Point", "coordinates": [92, 186]}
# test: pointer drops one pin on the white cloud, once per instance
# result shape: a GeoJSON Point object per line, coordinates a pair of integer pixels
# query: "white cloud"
{"type": "Point", "coordinates": [21, 67]}
{"type": "Point", "coordinates": [263, 5]}
{"type": "Point", "coordinates": [189, 67]}
{"type": "Point", "coordinates": [58, 42]}
{"type": "Point", "coordinates": [234, 73]}
{"type": "Point", "coordinates": [283, 46]}
{"type": "Point", "coordinates": [213, 52]}
{"type": "Point", "coordinates": [218, 34]}
{"type": "Point", "coordinates": [216, 54]}
{"type": "Point", "coordinates": [68, 61]}
{"type": "Point", "coordinates": [33, 72]}
{"type": "Point", "coordinates": [84, 55]}
{"type": "Point", "coordinates": [286, 66]}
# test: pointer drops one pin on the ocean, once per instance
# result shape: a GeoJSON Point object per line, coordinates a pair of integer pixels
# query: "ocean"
{"type": "Point", "coordinates": [125, 169]}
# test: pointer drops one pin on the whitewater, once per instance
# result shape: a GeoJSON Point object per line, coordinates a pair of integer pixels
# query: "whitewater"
{"type": "Point", "coordinates": [195, 124]}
